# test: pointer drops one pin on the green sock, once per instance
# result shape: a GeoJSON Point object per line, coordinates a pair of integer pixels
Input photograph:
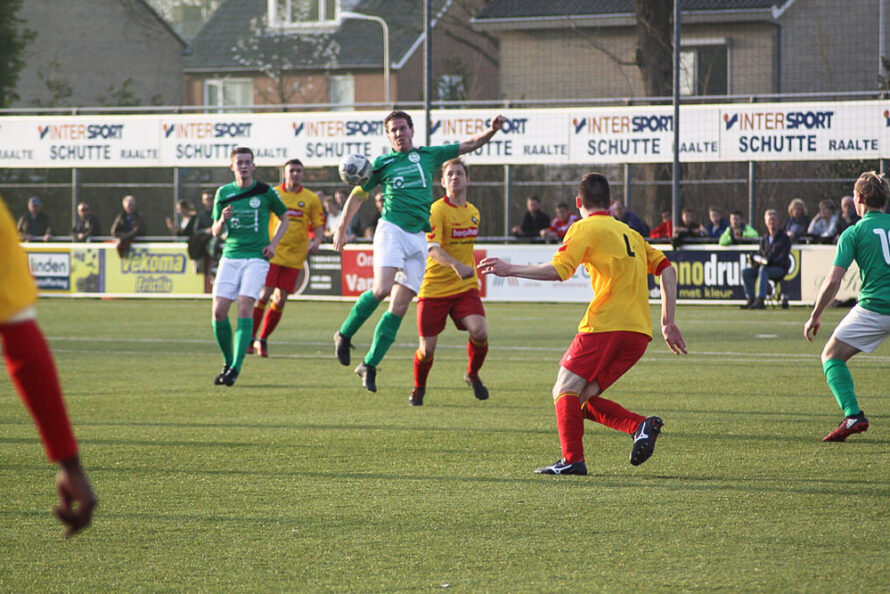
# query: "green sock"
{"type": "Point", "coordinates": [841, 384]}
{"type": "Point", "coordinates": [223, 332]}
{"type": "Point", "coordinates": [242, 340]}
{"type": "Point", "coordinates": [359, 313]}
{"type": "Point", "coordinates": [384, 336]}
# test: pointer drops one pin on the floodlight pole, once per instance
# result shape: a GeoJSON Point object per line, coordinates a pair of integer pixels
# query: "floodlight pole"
{"type": "Point", "coordinates": [369, 17]}
{"type": "Point", "coordinates": [675, 184]}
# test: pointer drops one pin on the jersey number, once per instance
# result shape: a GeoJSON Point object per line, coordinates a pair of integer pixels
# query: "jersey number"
{"type": "Point", "coordinates": [630, 251]}
{"type": "Point", "coordinates": [884, 236]}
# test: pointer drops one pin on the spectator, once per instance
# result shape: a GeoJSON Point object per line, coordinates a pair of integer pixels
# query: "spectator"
{"type": "Point", "coordinates": [127, 225]}
{"type": "Point", "coordinates": [560, 224]}
{"type": "Point", "coordinates": [848, 216]}
{"type": "Point", "coordinates": [185, 220]}
{"type": "Point", "coordinates": [823, 226]}
{"type": "Point", "coordinates": [738, 230]}
{"type": "Point", "coordinates": [798, 220]}
{"type": "Point", "coordinates": [533, 221]}
{"type": "Point", "coordinates": [87, 225]}
{"type": "Point", "coordinates": [368, 230]}
{"type": "Point", "coordinates": [688, 226]}
{"type": "Point", "coordinates": [204, 219]}
{"type": "Point", "coordinates": [201, 243]}
{"type": "Point", "coordinates": [340, 196]}
{"type": "Point", "coordinates": [333, 214]}
{"type": "Point", "coordinates": [665, 229]}
{"type": "Point", "coordinates": [771, 262]}
{"type": "Point", "coordinates": [716, 224]}
{"type": "Point", "coordinates": [35, 226]}
{"type": "Point", "coordinates": [629, 218]}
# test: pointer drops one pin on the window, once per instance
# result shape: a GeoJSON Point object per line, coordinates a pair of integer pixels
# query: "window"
{"type": "Point", "coordinates": [228, 93]}
{"type": "Point", "coordinates": [341, 92]}
{"type": "Point", "coordinates": [704, 70]}
{"type": "Point", "coordinates": [301, 13]}
{"type": "Point", "coordinates": [451, 87]}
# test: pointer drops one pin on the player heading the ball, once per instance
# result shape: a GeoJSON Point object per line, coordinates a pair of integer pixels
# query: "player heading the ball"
{"type": "Point", "coordinates": [407, 175]}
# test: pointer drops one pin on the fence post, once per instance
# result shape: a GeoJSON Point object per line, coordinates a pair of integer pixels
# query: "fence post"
{"type": "Point", "coordinates": [75, 194]}
{"type": "Point", "coordinates": [627, 185]}
{"type": "Point", "coordinates": [752, 191]}
{"type": "Point", "coordinates": [508, 182]}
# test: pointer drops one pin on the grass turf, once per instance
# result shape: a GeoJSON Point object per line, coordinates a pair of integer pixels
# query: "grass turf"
{"type": "Point", "coordinates": [297, 479]}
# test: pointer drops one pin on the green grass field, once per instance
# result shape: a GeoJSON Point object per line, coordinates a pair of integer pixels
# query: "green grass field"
{"type": "Point", "coordinates": [297, 479]}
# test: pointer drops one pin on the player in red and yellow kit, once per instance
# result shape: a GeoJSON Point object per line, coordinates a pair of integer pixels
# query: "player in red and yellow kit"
{"type": "Point", "coordinates": [287, 267]}
{"type": "Point", "coordinates": [31, 367]}
{"type": "Point", "coordinates": [450, 286]}
{"type": "Point", "coordinates": [615, 330]}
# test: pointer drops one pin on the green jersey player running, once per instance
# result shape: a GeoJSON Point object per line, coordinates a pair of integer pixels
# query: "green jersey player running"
{"type": "Point", "coordinates": [241, 210]}
{"type": "Point", "coordinates": [407, 175]}
{"type": "Point", "coordinates": [868, 323]}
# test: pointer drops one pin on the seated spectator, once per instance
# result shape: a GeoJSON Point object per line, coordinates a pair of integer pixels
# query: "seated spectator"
{"type": "Point", "coordinates": [333, 214]}
{"type": "Point", "coordinates": [127, 225]}
{"type": "Point", "coordinates": [824, 225]}
{"type": "Point", "coordinates": [738, 230]}
{"type": "Point", "coordinates": [560, 223]}
{"type": "Point", "coordinates": [87, 225]}
{"type": "Point", "coordinates": [716, 224]}
{"type": "Point", "coordinates": [688, 226]}
{"type": "Point", "coordinates": [848, 216]}
{"type": "Point", "coordinates": [771, 262]}
{"type": "Point", "coordinates": [533, 221]}
{"type": "Point", "coordinates": [629, 218]}
{"type": "Point", "coordinates": [185, 220]}
{"type": "Point", "coordinates": [664, 230]}
{"type": "Point", "coordinates": [35, 225]}
{"type": "Point", "coordinates": [798, 220]}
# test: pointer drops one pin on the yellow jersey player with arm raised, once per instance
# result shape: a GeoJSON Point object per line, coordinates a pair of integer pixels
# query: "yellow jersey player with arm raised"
{"type": "Point", "coordinates": [615, 330]}
{"type": "Point", "coordinates": [450, 285]}
{"type": "Point", "coordinates": [287, 268]}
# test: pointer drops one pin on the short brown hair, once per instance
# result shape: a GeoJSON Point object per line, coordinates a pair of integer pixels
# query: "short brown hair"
{"type": "Point", "coordinates": [293, 162]}
{"type": "Point", "coordinates": [594, 191]}
{"type": "Point", "coordinates": [455, 161]}
{"type": "Point", "coordinates": [398, 114]}
{"type": "Point", "coordinates": [873, 188]}
{"type": "Point", "coordinates": [241, 150]}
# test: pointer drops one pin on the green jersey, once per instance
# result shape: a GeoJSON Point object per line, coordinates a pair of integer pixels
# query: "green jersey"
{"type": "Point", "coordinates": [868, 242]}
{"type": "Point", "coordinates": [408, 180]}
{"type": "Point", "coordinates": [248, 227]}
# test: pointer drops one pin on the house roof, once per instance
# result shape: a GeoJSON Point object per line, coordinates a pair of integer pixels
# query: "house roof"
{"type": "Point", "coordinates": [359, 42]}
{"type": "Point", "coordinates": [513, 9]}
{"type": "Point", "coordinates": [163, 22]}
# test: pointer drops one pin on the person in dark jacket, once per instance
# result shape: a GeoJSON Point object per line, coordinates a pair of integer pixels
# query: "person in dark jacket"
{"type": "Point", "coordinates": [771, 262]}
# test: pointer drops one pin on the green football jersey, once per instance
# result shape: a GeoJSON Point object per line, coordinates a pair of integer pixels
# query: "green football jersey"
{"type": "Point", "coordinates": [408, 180]}
{"type": "Point", "coordinates": [868, 242]}
{"type": "Point", "coordinates": [248, 227]}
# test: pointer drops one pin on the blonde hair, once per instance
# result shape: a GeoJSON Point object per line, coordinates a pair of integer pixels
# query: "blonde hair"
{"type": "Point", "coordinates": [873, 188]}
{"type": "Point", "coordinates": [797, 202]}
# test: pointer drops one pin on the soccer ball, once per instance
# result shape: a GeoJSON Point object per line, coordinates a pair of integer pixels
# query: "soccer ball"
{"type": "Point", "coordinates": [355, 170]}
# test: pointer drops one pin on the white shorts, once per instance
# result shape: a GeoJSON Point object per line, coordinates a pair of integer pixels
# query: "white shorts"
{"type": "Point", "coordinates": [396, 248]}
{"type": "Point", "coordinates": [863, 329]}
{"type": "Point", "coordinates": [240, 276]}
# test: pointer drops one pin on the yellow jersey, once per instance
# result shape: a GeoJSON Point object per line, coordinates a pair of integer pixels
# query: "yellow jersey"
{"type": "Point", "coordinates": [453, 228]}
{"type": "Point", "coordinates": [618, 260]}
{"type": "Point", "coordinates": [17, 288]}
{"type": "Point", "coordinates": [304, 212]}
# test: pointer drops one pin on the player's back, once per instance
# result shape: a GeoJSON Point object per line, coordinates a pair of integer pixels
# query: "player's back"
{"type": "Point", "coordinates": [868, 242]}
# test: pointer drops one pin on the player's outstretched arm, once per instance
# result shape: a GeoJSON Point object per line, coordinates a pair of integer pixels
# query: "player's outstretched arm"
{"type": "Point", "coordinates": [669, 329]}
{"type": "Point", "coordinates": [474, 142]}
{"type": "Point", "coordinates": [827, 292]}
{"type": "Point", "coordinates": [76, 497]}
{"type": "Point", "coordinates": [545, 271]}
{"type": "Point", "coordinates": [353, 203]}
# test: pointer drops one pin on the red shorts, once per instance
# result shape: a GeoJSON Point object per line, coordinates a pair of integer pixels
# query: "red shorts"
{"type": "Point", "coordinates": [432, 312]}
{"type": "Point", "coordinates": [283, 277]}
{"type": "Point", "coordinates": [604, 356]}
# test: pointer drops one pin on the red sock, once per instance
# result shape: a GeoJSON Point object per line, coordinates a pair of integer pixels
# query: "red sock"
{"type": "Point", "coordinates": [570, 424]}
{"type": "Point", "coordinates": [30, 364]}
{"type": "Point", "coordinates": [273, 316]}
{"type": "Point", "coordinates": [422, 368]}
{"type": "Point", "coordinates": [476, 352]}
{"type": "Point", "coordinates": [611, 414]}
{"type": "Point", "coordinates": [258, 310]}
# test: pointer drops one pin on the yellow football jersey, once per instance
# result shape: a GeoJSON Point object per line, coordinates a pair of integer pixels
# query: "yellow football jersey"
{"type": "Point", "coordinates": [17, 288]}
{"type": "Point", "coordinates": [454, 229]}
{"type": "Point", "coordinates": [304, 212]}
{"type": "Point", "coordinates": [618, 261]}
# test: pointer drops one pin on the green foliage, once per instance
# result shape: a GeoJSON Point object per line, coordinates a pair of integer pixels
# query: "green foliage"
{"type": "Point", "coordinates": [123, 96]}
{"type": "Point", "coordinates": [58, 85]}
{"type": "Point", "coordinates": [297, 479]}
{"type": "Point", "coordinates": [14, 38]}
